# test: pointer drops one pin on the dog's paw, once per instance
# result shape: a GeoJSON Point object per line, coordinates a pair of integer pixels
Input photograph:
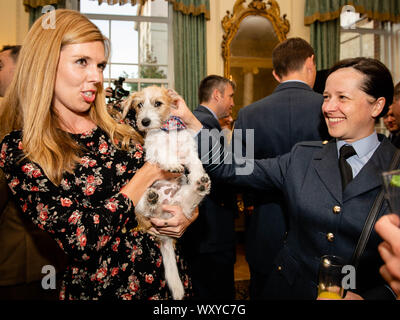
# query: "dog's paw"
{"type": "Point", "coordinates": [152, 198]}
{"type": "Point", "coordinates": [204, 185]}
{"type": "Point", "coordinates": [175, 168]}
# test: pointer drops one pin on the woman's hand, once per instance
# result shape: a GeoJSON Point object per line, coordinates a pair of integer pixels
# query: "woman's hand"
{"type": "Point", "coordinates": [174, 226]}
{"type": "Point", "coordinates": [182, 111]}
{"type": "Point", "coordinates": [144, 178]}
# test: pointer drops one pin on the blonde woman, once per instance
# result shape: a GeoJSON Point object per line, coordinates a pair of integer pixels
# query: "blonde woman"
{"type": "Point", "coordinates": [75, 171]}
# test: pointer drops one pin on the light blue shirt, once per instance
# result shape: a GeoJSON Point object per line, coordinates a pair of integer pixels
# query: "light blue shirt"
{"type": "Point", "coordinates": [364, 148]}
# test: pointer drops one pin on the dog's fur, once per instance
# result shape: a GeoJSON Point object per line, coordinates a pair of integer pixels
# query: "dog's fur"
{"type": "Point", "coordinates": [173, 151]}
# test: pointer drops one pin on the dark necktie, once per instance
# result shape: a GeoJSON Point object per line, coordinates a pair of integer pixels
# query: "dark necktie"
{"type": "Point", "coordinates": [345, 169]}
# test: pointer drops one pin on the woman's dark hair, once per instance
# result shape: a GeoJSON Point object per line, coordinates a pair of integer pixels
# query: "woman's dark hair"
{"type": "Point", "coordinates": [378, 79]}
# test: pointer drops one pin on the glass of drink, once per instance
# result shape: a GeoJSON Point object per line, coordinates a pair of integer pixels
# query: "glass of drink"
{"type": "Point", "coordinates": [330, 277]}
{"type": "Point", "coordinates": [391, 184]}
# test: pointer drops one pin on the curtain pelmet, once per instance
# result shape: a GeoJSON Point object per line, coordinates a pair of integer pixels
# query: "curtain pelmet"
{"type": "Point", "coordinates": [192, 7]}
{"type": "Point", "coordinates": [122, 2]}
{"type": "Point", "coordinates": [383, 10]}
{"type": "Point", "coordinates": [187, 7]}
{"type": "Point", "coordinates": [33, 4]}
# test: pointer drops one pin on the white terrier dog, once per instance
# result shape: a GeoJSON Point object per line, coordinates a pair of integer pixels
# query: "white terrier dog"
{"type": "Point", "coordinates": [171, 146]}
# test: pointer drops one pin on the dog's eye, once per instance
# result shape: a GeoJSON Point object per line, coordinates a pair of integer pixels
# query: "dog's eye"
{"type": "Point", "coordinates": [140, 105]}
{"type": "Point", "coordinates": [158, 104]}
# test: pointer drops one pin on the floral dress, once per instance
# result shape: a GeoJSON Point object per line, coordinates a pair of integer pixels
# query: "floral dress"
{"type": "Point", "coordinates": [91, 221]}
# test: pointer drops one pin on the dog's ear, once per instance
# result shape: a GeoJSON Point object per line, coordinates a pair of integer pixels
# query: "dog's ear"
{"type": "Point", "coordinates": [127, 104]}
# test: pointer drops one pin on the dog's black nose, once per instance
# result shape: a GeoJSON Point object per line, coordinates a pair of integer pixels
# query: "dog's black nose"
{"type": "Point", "coordinates": [146, 122]}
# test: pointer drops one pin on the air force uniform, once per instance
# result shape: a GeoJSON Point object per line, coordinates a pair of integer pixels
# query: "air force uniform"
{"type": "Point", "coordinates": [323, 219]}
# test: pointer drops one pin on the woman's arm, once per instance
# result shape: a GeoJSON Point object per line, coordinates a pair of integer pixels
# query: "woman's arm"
{"type": "Point", "coordinates": [226, 166]}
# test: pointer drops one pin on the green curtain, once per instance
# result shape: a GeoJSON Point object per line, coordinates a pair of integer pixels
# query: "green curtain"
{"type": "Point", "coordinates": [190, 50]}
{"type": "Point", "coordinates": [325, 39]}
{"type": "Point", "coordinates": [35, 7]}
{"type": "Point", "coordinates": [324, 20]}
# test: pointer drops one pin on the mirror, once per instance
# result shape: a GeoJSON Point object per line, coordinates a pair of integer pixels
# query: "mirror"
{"type": "Point", "coordinates": [251, 33]}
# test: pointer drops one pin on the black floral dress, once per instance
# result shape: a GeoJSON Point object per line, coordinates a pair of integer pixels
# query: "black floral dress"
{"type": "Point", "coordinates": [91, 221]}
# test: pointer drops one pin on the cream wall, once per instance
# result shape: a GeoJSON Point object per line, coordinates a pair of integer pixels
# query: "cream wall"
{"type": "Point", "coordinates": [14, 22]}
{"type": "Point", "coordinates": [294, 10]}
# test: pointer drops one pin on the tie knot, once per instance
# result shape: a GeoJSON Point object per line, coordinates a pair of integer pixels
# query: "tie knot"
{"type": "Point", "coordinates": [347, 151]}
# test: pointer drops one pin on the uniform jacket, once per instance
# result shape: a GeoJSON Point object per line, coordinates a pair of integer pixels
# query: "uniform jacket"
{"type": "Point", "coordinates": [213, 230]}
{"type": "Point", "coordinates": [292, 113]}
{"type": "Point", "coordinates": [309, 177]}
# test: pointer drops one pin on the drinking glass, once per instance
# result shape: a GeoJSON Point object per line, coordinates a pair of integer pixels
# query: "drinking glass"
{"type": "Point", "coordinates": [391, 184]}
{"type": "Point", "coordinates": [330, 277]}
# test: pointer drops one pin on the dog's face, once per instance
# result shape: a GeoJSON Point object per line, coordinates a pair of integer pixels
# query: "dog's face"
{"type": "Point", "coordinates": [152, 106]}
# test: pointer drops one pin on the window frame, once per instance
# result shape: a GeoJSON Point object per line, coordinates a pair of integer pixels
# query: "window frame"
{"type": "Point", "coordinates": [169, 80]}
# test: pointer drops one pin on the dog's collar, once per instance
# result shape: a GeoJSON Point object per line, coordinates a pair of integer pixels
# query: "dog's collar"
{"type": "Point", "coordinates": [173, 123]}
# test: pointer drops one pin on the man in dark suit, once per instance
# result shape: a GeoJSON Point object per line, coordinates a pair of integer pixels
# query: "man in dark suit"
{"type": "Point", "coordinates": [292, 113]}
{"type": "Point", "coordinates": [209, 242]}
{"type": "Point", "coordinates": [391, 124]}
{"type": "Point", "coordinates": [392, 118]}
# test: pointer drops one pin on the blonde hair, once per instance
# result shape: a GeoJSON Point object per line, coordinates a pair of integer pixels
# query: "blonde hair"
{"type": "Point", "coordinates": [28, 102]}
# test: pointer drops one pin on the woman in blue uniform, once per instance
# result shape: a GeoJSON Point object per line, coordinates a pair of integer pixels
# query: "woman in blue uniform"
{"type": "Point", "coordinates": [326, 216]}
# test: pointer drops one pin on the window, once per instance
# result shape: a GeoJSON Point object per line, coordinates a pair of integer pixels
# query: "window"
{"type": "Point", "coordinates": [364, 37]}
{"type": "Point", "coordinates": [141, 42]}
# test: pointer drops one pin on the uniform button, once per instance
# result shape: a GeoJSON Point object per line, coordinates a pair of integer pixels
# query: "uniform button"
{"type": "Point", "coordinates": [123, 230]}
{"type": "Point", "coordinates": [325, 142]}
{"type": "Point", "coordinates": [279, 268]}
{"type": "Point", "coordinates": [330, 237]}
{"type": "Point", "coordinates": [337, 209]}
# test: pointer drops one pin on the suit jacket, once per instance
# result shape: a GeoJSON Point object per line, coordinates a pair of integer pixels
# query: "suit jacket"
{"type": "Point", "coordinates": [292, 113]}
{"type": "Point", "coordinates": [309, 177]}
{"type": "Point", "coordinates": [24, 248]}
{"type": "Point", "coordinates": [214, 229]}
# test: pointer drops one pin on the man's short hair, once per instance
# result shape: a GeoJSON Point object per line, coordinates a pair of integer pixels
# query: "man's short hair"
{"type": "Point", "coordinates": [14, 51]}
{"type": "Point", "coordinates": [209, 83]}
{"type": "Point", "coordinates": [290, 56]}
{"type": "Point", "coordinates": [396, 93]}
